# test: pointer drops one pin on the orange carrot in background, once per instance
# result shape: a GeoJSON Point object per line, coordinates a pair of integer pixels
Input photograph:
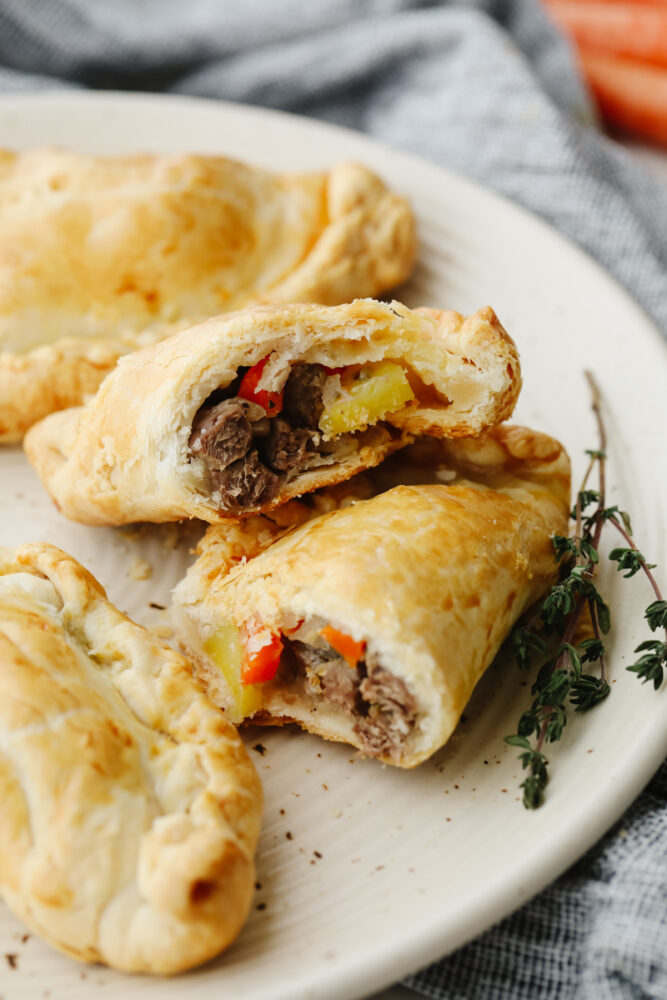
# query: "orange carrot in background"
{"type": "Point", "coordinates": [622, 46]}
{"type": "Point", "coordinates": [628, 3]}
{"type": "Point", "coordinates": [630, 95]}
{"type": "Point", "coordinates": [625, 29]}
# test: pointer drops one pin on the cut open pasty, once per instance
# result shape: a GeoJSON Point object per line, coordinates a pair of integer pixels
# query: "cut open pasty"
{"type": "Point", "coordinates": [99, 256]}
{"type": "Point", "coordinates": [371, 624]}
{"type": "Point", "coordinates": [130, 810]}
{"type": "Point", "coordinates": [243, 412]}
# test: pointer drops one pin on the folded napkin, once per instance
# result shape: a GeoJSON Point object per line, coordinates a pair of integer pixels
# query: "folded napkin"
{"type": "Point", "coordinates": [487, 88]}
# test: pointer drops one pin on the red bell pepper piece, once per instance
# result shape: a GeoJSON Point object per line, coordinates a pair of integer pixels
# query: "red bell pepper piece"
{"type": "Point", "coordinates": [261, 655]}
{"type": "Point", "coordinates": [349, 648]}
{"type": "Point", "coordinates": [271, 401]}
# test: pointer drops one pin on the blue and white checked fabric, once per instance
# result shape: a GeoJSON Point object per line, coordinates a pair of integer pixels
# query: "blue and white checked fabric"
{"type": "Point", "coordinates": [488, 88]}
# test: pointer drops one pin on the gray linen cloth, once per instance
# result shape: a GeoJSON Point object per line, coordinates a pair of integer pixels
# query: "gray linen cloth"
{"type": "Point", "coordinates": [487, 88]}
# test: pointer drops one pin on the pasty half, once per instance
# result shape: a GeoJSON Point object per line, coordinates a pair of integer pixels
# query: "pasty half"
{"type": "Point", "coordinates": [372, 624]}
{"type": "Point", "coordinates": [101, 255]}
{"type": "Point", "coordinates": [246, 411]}
{"type": "Point", "coordinates": [130, 810]}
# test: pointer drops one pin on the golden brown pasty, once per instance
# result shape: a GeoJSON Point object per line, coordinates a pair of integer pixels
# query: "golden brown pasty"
{"type": "Point", "coordinates": [130, 810]}
{"type": "Point", "coordinates": [99, 256]}
{"type": "Point", "coordinates": [372, 624]}
{"type": "Point", "coordinates": [243, 412]}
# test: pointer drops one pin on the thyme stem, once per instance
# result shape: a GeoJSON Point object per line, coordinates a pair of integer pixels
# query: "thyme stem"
{"type": "Point", "coordinates": [598, 635]}
{"type": "Point", "coordinates": [561, 681]}
{"type": "Point", "coordinates": [631, 544]}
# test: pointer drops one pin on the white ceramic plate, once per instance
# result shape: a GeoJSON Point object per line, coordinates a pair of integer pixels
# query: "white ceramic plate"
{"type": "Point", "coordinates": [412, 864]}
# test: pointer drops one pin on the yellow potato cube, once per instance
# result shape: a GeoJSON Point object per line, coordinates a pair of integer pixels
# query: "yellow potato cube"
{"type": "Point", "coordinates": [377, 389]}
{"type": "Point", "coordinates": [224, 648]}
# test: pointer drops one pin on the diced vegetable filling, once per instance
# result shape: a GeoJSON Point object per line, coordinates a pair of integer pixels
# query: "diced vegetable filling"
{"type": "Point", "coordinates": [366, 397]}
{"type": "Point", "coordinates": [252, 440]}
{"type": "Point", "coordinates": [226, 651]}
{"type": "Point", "coordinates": [343, 672]}
{"type": "Point", "coordinates": [261, 655]}
{"type": "Point", "coordinates": [324, 664]}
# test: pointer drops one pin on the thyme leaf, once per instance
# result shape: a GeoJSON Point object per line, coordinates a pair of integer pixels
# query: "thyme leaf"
{"type": "Point", "coordinates": [630, 559]}
{"type": "Point", "coordinates": [656, 615]}
{"type": "Point", "coordinates": [650, 667]}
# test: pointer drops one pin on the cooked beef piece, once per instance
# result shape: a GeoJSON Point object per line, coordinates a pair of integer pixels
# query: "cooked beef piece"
{"type": "Point", "coordinates": [245, 483]}
{"type": "Point", "coordinates": [221, 434]}
{"type": "Point", "coordinates": [381, 704]}
{"type": "Point", "coordinates": [391, 715]}
{"type": "Point", "coordinates": [302, 396]}
{"type": "Point", "coordinates": [285, 447]}
{"type": "Point", "coordinates": [340, 686]}
{"type": "Point", "coordinates": [377, 735]}
{"type": "Point", "coordinates": [388, 692]}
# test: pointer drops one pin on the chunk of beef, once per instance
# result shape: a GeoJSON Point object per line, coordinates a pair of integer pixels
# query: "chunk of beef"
{"type": "Point", "coordinates": [389, 692]}
{"type": "Point", "coordinates": [223, 433]}
{"type": "Point", "coordinates": [382, 707]}
{"type": "Point", "coordinates": [340, 685]}
{"type": "Point", "coordinates": [302, 396]}
{"type": "Point", "coordinates": [392, 711]}
{"type": "Point", "coordinates": [245, 483]}
{"type": "Point", "coordinates": [286, 447]}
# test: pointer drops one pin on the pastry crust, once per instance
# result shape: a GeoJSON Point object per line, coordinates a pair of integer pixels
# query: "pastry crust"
{"type": "Point", "coordinates": [126, 455]}
{"type": "Point", "coordinates": [115, 253]}
{"type": "Point", "coordinates": [130, 808]}
{"type": "Point", "coordinates": [431, 577]}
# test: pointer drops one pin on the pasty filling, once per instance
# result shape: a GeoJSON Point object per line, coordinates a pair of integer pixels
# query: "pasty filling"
{"type": "Point", "coordinates": [315, 665]}
{"type": "Point", "coordinates": [380, 703]}
{"type": "Point", "coordinates": [252, 440]}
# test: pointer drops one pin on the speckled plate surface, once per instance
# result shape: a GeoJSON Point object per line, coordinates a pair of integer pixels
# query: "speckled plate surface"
{"type": "Point", "coordinates": [366, 873]}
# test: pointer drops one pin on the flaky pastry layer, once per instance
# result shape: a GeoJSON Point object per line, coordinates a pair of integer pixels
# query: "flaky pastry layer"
{"type": "Point", "coordinates": [130, 810]}
{"type": "Point", "coordinates": [430, 577]}
{"type": "Point", "coordinates": [126, 455]}
{"type": "Point", "coordinates": [114, 253]}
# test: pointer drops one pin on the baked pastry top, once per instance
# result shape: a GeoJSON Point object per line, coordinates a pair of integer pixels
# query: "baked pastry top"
{"type": "Point", "coordinates": [378, 618]}
{"type": "Point", "coordinates": [130, 810]}
{"type": "Point", "coordinates": [101, 255]}
{"type": "Point", "coordinates": [245, 411]}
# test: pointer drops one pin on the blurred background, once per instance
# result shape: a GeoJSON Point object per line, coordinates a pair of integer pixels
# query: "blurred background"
{"type": "Point", "coordinates": [621, 53]}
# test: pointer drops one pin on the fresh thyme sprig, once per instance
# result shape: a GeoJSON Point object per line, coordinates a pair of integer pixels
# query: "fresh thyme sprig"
{"type": "Point", "coordinates": [561, 681]}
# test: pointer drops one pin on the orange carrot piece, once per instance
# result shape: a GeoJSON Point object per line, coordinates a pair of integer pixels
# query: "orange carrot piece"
{"type": "Point", "coordinates": [627, 3]}
{"type": "Point", "coordinates": [630, 95]}
{"type": "Point", "coordinates": [349, 648]}
{"type": "Point", "coordinates": [624, 29]}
